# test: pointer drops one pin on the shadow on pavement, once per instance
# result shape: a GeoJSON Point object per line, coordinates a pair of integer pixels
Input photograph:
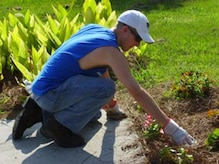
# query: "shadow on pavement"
{"type": "Point", "coordinates": [100, 138]}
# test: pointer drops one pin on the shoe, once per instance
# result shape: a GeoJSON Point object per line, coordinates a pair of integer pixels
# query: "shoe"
{"type": "Point", "coordinates": [63, 136]}
{"type": "Point", "coordinates": [44, 132]}
{"type": "Point", "coordinates": [30, 115]}
{"type": "Point", "coordinates": [116, 115]}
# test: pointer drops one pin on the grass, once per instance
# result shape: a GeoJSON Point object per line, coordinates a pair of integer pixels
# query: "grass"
{"type": "Point", "coordinates": [40, 8]}
{"type": "Point", "coordinates": [186, 33]}
{"type": "Point", "coordinates": [188, 40]}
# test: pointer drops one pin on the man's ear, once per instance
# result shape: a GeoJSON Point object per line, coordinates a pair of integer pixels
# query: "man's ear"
{"type": "Point", "coordinates": [125, 28]}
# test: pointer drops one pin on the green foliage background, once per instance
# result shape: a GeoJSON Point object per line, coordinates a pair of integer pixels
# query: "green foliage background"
{"type": "Point", "coordinates": [186, 34]}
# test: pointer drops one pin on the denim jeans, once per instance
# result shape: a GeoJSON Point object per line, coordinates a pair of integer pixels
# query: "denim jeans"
{"type": "Point", "coordinates": [76, 101]}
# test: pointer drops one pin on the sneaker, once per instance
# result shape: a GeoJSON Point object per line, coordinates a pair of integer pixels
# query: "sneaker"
{"type": "Point", "coordinates": [44, 132]}
{"type": "Point", "coordinates": [63, 136]}
{"type": "Point", "coordinates": [116, 115]}
{"type": "Point", "coordinates": [30, 115]}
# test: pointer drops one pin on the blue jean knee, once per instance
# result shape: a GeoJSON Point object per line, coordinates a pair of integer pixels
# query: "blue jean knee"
{"type": "Point", "coordinates": [76, 101]}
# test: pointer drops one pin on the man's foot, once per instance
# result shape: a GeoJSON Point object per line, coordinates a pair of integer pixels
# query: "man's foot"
{"type": "Point", "coordinates": [30, 115]}
{"type": "Point", "coordinates": [118, 115]}
{"type": "Point", "coordinates": [44, 132]}
{"type": "Point", "coordinates": [113, 111]}
{"type": "Point", "coordinates": [62, 135]}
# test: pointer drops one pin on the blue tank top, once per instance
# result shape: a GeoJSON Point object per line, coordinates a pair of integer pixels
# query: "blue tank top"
{"type": "Point", "coordinates": [63, 64]}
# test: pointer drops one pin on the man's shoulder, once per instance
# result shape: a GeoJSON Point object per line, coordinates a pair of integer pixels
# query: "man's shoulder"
{"type": "Point", "coordinates": [95, 26]}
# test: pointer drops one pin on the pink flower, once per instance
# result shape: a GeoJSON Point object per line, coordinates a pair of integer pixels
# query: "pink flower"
{"type": "Point", "coordinates": [148, 120]}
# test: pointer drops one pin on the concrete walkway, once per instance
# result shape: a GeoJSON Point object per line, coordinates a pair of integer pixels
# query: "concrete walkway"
{"type": "Point", "coordinates": [107, 142]}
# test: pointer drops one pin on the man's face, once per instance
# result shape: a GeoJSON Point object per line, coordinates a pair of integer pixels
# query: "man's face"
{"type": "Point", "coordinates": [129, 38]}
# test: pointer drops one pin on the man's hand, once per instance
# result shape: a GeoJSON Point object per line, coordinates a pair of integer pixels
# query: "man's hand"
{"type": "Point", "coordinates": [178, 134]}
{"type": "Point", "coordinates": [113, 112]}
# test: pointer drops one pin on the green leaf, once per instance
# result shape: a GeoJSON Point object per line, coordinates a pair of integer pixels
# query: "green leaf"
{"type": "Point", "coordinates": [22, 31]}
{"type": "Point", "coordinates": [89, 11]}
{"type": "Point", "coordinates": [100, 9]}
{"type": "Point", "coordinates": [27, 17]}
{"type": "Point", "coordinates": [23, 70]}
{"type": "Point", "coordinates": [32, 21]}
{"type": "Point", "coordinates": [41, 37]}
{"type": "Point", "coordinates": [112, 19]}
{"type": "Point", "coordinates": [73, 24]}
{"type": "Point", "coordinates": [18, 46]}
{"type": "Point", "coordinates": [212, 142]}
{"type": "Point", "coordinates": [12, 20]}
{"type": "Point", "coordinates": [1, 68]}
{"type": "Point", "coordinates": [54, 25]}
{"type": "Point", "coordinates": [60, 12]}
{"type": "Point", "coordinates": [41, 31]}
{"type": "Point", "coordinates": [108, 7]}
{"type": "Point", "coordinates": [54, 39]}
{"type": "Point", "coordinates": [4, 29]}
{"type": "Point", "coordinates": [64, 30]}
{"type": "Point", "coordinates": [37, 61]}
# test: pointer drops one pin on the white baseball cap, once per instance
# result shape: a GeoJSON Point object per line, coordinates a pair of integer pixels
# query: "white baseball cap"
{"type": "Point", "coordinates": [138, 21]}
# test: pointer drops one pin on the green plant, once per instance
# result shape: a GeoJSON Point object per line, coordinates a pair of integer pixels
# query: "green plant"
{"type": "Point", "coordinates": [152, 128]}
{"type": "Point", "coordinates": [100, 13]}
{"type": "Point", "coordinates": [30, 41]}
{"type": "Point", "coordinates": [26, 41]}
{"type": "Point", "coordinates": [182, 41]}
{"type": "Point", "coordinates": [212, 142]}
{"type": "Point", "coordinates": [2, 112]}
{"type": "Point", "coordinates": [166, 155]}
{"type": "Point", "coordinates": [4, 99]}
{"type": "Point", "coordinates": [184, 157]}
{"type": "Point", "coordinates": [4, 54]}
{"type": "Point", "coordinates": [172, 156]}
{"type": "Point", "coordinates": [139, 62]}
{"type": "Point", "coordinates": [191, 85]}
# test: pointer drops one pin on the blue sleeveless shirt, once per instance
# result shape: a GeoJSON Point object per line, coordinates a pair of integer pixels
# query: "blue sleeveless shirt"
{"type": "Point", "coordinates": [63, 64]}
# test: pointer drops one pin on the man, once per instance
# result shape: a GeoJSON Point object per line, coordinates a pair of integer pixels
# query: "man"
{"type": "Point", "coordinates": [74, 84]}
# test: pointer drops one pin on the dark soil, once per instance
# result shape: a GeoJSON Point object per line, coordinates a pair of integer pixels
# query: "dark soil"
{"type": "Point", "coordinates": [12, 95]}
{"type": "Point", "coordinates": [190, 114]}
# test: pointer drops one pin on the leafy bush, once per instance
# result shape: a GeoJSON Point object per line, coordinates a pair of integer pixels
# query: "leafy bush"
{"type": "Point", "coordinates": [26, 41]}
{"type": "Point", "coordinates": [212, 142]}
{"type": "Point", "coordinates": [172, 156]}
{"type": "Point", "coordinates": [191, 85]}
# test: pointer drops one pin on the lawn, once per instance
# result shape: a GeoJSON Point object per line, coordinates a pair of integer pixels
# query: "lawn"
{"type": "Point", "coordinates": [185, 32]}
{"type": "Point", "coordinates": [186, 40]}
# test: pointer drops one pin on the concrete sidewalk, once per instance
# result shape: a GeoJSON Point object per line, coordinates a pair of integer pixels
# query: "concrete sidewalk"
{"type": "Point", "coordinates": [107, 142]}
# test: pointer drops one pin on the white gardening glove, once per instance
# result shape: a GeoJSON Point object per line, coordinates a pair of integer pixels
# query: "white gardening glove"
{"type": "Point", "coordinates": [27, 85]}
{"type": "Point", "coordinates": [113, 112]}
{"type": "Point", "coordinates": [178, 134]}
